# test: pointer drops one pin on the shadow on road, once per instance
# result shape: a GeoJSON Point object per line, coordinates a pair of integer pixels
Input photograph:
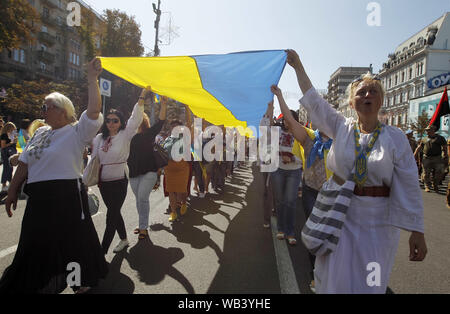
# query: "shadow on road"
{"type": "Point", "coordinates": [185, 232]}
{"type": "Point", "coordinates": [248, 264]}
{"type": "Point", "coordinates": [152, 264]}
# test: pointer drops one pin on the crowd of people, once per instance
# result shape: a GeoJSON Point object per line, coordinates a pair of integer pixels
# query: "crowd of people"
{"type": "Point", "coordinates": [50, 156]}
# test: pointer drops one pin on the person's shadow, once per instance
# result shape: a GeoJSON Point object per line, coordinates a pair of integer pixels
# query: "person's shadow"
{"type": "Point", "coordinates": [115, 282]}
{"type": "Point", "coordinates": [187, 233]}
{"type": "Point", "coordinates": [152, 264]}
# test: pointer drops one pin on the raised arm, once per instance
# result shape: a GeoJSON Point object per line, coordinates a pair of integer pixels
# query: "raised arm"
{"type": "Point", "coordinates": [269, 112]}
{"type": "Point", "coordinates": [95, 100]}
{"type": "Point", "coordinates": [303, 80]}
{"type": "Point", "coordinates": [163, 109]}
{"type": "Point", "coordinates": [297, 129]}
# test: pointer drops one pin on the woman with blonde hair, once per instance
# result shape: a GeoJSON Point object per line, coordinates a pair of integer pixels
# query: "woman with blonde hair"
{"type": "Point", "coordinates": [57, 233]}
{"type": "Point", "coordinates": [387, 194]}
{"type": "Point", "coordinates": [8, 140]}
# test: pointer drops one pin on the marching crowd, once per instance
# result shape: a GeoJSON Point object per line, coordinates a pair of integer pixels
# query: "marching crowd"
{"type": "Point", "coordinates": [376, 161]}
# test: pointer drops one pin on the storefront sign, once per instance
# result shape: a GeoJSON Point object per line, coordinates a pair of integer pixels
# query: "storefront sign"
{"type": "Point", "coordinates": [439, 81]}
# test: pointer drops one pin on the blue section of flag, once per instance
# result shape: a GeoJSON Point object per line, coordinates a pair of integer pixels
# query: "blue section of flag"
{"type": "Point", "coordinates": [241, 81]}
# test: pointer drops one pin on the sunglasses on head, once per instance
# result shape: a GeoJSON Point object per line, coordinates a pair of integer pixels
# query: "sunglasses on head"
{"type": "Point", "coordinates": [360, 79]}
{"type": "Point", "coordinates": [46, 107]}
{"type": "Point", "coordinates": [112, 121]}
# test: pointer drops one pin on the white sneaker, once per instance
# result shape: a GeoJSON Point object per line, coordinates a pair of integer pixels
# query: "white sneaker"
{"type": "Point", "coordinates": [122, 244]}
{"type": "Point", "coordinates": [5, 189]}
{"type": "Point", "coordinates": [201, 195]}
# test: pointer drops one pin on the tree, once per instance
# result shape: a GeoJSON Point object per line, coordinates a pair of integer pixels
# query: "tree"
{"type": "Point", "coordinates": [24, 100]}
{"type": "Point", "coordinates": [123, 36]}
{"type": "Point", "coordinates": [421, 124]}
{"type": "Point", "coordinates": [18, 23]}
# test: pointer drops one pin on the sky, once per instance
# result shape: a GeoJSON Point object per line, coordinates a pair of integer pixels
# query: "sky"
{"type": "Point", "coordinates": [326, 34]}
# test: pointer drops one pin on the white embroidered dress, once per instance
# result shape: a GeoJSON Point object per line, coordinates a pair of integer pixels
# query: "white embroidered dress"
{"type": "Point", "coordinates": [371, 230]}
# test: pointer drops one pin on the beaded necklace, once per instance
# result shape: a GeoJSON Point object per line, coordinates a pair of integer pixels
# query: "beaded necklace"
{"type": "Point", "coordinates": [362, 155]}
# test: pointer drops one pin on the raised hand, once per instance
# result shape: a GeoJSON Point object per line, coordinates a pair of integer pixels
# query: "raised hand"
{"type": "Point", "coordinates": [276, 91]}
{"type": "Point", "coordinates": [94, 68]}
{"type": "Point", "coordinates": [292, 58]}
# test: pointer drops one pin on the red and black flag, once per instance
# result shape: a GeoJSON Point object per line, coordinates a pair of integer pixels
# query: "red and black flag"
{"type": "Point", "coordinates": [441, 110]}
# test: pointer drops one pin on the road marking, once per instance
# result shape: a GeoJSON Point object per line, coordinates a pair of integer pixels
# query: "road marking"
{"type": "Point", "coordinates": [288, 280]}
{"type": "Point", "coordinates": [8, 251]}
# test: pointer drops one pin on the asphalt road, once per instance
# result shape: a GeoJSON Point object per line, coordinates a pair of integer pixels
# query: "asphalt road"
{"type": "Point", "coordinates": [220, 247]}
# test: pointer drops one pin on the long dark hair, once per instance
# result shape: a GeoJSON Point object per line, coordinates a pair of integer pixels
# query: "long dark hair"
{"type": "Point", "coordinates": [104, 130]}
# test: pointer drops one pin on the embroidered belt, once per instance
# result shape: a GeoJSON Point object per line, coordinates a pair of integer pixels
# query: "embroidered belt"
{"type": "Point", "coordinates": [373, 191]}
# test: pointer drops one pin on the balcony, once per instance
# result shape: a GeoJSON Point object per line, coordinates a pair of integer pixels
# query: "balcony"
{"type": "Point", "coordinates": [48, 20]}
{"type": "Point", "coordinates": [46, 56]}
{"type": "Point", "coordinates": [50, 3]}
{"type": "Point", "coordinates": [45, 73]}
{"type": "Point", "coordinates": [47, 38]}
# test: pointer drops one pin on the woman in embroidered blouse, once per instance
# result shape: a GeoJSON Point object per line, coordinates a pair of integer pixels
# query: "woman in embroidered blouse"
{"type": "Point", "coordinates": [388, 200]}
{"type": "Point", "coordinates": [112, 147]}
{"type": "Point", "coordinates": [57, 230]}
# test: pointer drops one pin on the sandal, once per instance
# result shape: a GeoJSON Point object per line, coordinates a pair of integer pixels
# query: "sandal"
{"type": "Point", "coordinates": [292, 241]}
{"type": "Point", "coordinates": [143, 234]}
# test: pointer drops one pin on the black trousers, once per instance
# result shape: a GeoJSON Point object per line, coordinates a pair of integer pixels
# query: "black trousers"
{"type": "Point", "coordinates": [199, 175]}
{"type": "Point", "coordinates": [113, 194]}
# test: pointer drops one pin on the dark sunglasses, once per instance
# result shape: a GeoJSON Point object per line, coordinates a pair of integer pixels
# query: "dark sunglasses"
{"type": "Point", "coordinates": [112, 121]}
{"type": "Point", "coordinates": [46, 107]}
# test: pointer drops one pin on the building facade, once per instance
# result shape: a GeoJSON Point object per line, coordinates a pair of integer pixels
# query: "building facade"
{"type": "Point", "coordinates": [58, 52]}
{"type": "Point", "coordinates": [339, 81]}
{"type": "Point", "coordinates": [410, 70]}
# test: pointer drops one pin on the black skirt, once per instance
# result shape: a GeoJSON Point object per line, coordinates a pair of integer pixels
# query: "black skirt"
{"type": "Point", "coordinates": [57, 231]}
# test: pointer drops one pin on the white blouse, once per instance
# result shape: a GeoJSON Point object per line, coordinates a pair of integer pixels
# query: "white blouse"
{"type": "Point", "coordinates": [390, 163]}
{"type": "Point", "coordinates": [58, 154]}
{"type": "Point", "coordinates": [114, 159]}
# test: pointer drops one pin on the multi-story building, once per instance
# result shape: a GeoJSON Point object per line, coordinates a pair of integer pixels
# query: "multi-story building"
{"type": "Point", "coordinates": [339, 81]}
{"type": "Point", "coordinates": [57, 53]}
{"type": "Point", "coordinates": [410, 70]}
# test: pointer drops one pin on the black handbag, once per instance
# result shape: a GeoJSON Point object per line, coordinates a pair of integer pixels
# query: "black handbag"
{"type": "Point", "coordinates": [161, 156]}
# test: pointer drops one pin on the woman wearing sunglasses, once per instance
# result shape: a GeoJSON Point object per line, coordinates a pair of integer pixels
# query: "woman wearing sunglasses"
{"type": "Point", "coordinates": [57, 231]}
{"type": "Point", "coordinates": [387, 195]}
{"type": "Point", "coordinates": [112, 147]}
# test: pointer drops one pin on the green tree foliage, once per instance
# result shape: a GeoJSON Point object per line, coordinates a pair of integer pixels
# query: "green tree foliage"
{"type": "Point", "coordinates": [17, 23]}
{"type": "Point", "coordinates": [24, 100]}
{"type": "Point", "coordinates": [123, 36]}
{"type": "Point", "coordinates": [421, 124]}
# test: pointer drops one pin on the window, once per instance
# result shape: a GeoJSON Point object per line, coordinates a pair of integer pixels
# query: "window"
{"type": "Point", "coordinates": [22, 56]}
{"type": "Point", "coordinates": [43, 47]}
{"type": "Point", "coordinates": [43, 66]}
{"type": "Point", "coordinates": [78, 60]}
{"type": "Point", "coordinates": [45, 12]}
{"type": "Point", "coordinates": [390, 82]}
{"type": "Point", "coordinates": [396, 80]}
{"type": "Point", "coordinates": [410, 73]}
{"type": "Point", "coordinates": [44, 29]}
{"type": "Point", "coordinates": [403, 77]}
{"type": "Point", "coordinates": [15, 55]}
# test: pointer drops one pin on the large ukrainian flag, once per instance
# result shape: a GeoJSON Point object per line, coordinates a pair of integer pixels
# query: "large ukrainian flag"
{"type": "Point", "coordinates": [231, 90]}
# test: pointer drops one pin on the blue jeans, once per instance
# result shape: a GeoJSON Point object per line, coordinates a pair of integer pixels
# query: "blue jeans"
{"type": "Point", "coordinates": [142, 186]}
{"type": "Point", "coordinates": [285, 185]}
